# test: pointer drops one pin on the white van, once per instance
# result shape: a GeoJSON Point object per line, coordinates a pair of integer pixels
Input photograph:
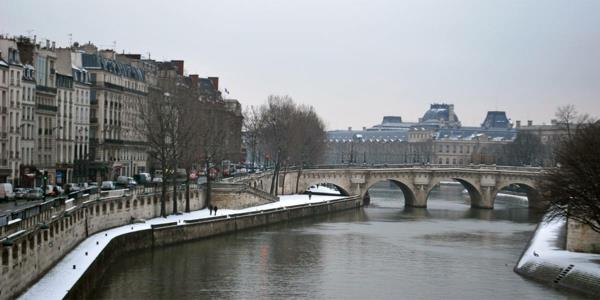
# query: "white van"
{"type": "Point", "coordinates": [6, 191]}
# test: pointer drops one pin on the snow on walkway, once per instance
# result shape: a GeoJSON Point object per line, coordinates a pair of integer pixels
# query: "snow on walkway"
{"type": "Point", "coordinates": [544, 249]}
{"type": "Point", "coordinates": [57, 282]}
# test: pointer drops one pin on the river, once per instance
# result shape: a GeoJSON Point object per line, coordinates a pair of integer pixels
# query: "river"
{"type": "Point", "coordinates": [383, 251]}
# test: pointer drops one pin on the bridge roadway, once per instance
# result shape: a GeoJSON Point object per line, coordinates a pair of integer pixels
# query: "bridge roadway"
{"type": "Point", "coordinates": [416, 181]}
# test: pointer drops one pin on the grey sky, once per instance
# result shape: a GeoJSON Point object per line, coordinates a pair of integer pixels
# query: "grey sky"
{"type": "Point", "coordinates": [356, 61]}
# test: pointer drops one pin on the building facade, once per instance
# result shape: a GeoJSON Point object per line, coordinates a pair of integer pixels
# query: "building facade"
{"type": "Point", "coordinates": [117, 90]}
{"type": "Point", "coordinates": [12, 110]}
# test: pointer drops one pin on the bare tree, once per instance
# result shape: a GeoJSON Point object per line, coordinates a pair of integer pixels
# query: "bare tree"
{"type": "Point", "coordinates": [186, 104]}
{"type": "Point", "coordinates": [252, 130]}
{"type": "Point", "coordinates": [568, 117]}
{"type": "Point", "coordinates": [294, 134]}
{"type": "Point", "coordinates": [157, 117]}
{"type": "Point", "coordinates": [210, 136]}
{"type": "Point", "coordinates": [572, 187]}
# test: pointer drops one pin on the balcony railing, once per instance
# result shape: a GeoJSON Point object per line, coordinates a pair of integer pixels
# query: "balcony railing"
{"type": "Point", "coordinates": [46, 89]}
{"type": "Point", "coordinates": [47, 107]}
{"type": "Point", "coordinates": [113, 141]}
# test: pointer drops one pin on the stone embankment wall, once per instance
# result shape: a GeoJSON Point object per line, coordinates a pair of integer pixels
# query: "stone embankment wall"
{"type": "Point", "coordinates": [197, 229]}
{"type": "Point", "coordinates": [29, 254]}
{"type": "Point", "coordinates": [581, 238]}
{"type": "Point", "coordinates": [237, 196]}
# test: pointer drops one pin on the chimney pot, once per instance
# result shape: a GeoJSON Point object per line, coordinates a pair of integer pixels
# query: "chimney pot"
{"type": "Point", "coordinates": [529, 122]}
{"type": "Point", "coordinates": [349, 128]}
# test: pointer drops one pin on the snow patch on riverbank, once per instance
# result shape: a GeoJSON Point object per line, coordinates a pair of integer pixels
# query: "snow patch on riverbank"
{"type": "Point", "coordinates": [57, 282]}
{"type": "Point", "coordinates": [547, 261]}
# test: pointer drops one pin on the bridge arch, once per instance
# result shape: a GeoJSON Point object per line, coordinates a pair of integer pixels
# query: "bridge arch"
{"type": "Point", "coordinates": [534, 198]}
{"type": "Point", "coordinates": [342, 190]}
{"type": "Point", "coordinates": [472, 188]}
{"type": "Point", "coordinates": [407, 190]}
{"type": "Point", "coordinates": [305, 182]}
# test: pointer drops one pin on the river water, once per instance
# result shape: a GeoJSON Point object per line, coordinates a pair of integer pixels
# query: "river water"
{"type": "Point", "coordinates": [383, 251]}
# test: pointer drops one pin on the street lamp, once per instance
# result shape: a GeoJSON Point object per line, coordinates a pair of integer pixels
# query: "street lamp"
{"type": "Point", "coordinates": [55, 149]}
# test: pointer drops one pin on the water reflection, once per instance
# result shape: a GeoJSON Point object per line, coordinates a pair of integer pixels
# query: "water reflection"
{"type": "Point", "coordinates": [385, 251]}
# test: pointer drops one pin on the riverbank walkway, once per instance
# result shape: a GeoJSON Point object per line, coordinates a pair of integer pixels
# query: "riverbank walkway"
{"type": "Point", "coordinates": [57, 282]}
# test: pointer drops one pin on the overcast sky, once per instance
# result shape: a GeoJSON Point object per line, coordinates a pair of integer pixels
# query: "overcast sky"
{"type": "Point", "coordinates": [355, 61]}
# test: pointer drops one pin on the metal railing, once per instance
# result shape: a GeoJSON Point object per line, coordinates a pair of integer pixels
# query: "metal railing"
{"type": "Point", "coordinates": [29, 217]}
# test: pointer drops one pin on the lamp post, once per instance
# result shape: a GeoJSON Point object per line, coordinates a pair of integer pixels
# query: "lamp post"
{"type": "Point", "coordinates": [55, 150]}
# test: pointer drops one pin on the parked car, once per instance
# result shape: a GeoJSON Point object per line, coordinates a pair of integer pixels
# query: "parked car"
{"type": "Point", "coordinates": [142, 178]}
{"type": "Point", "coordinates": [59, 190]}
{"type": "Point", "coordinates": [51, 190]}
{"type": "Point", "coordinates": [157, 180]}
{"type": "Point", "coordinates": [131, 183]}
{"type": "Point", "coordinates": [20, 193]}
{"type": "Point", "coordinates": [72, 187]}
{"type": "Point", "coordinates": [34, 194]}
{"type": "Point", "coordinates": [6, 191]}
{"type": "Point", "coordinates": [127, 182]}
{"type": "Point", "coordinates": [107, 185]}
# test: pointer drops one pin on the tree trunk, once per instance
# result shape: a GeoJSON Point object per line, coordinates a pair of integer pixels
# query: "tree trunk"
{"type": "Point", "coordinates": [174, 181]}
{"type": "Point", "coordinates": [283, 180]}
{"type": "Point", "coordinates": [163, 196]}
{"type": "Point", "coordinates": [298, 178]}
{"type": "Point", "coordinates": [187, 192]}
{"type": "Point", "coordinates": [277, 167]}
{"type": "Point", "coordinates": [273, 181]}
{"type": "Point", "coordinates": [207, 174]}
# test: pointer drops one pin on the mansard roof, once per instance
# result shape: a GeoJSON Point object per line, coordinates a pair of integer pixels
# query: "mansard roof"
{"type": "Point", "coordinates": [96, 61]}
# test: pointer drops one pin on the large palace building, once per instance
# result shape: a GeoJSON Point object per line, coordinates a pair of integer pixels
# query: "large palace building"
{"type": "Point", "coordinates": [437, 138]}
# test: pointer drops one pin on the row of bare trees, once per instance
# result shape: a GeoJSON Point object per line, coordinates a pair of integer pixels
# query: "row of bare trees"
{"type": "Point", "coordinates": [288, 133]}
{"type": "Point", "coordinates": [182, 132]}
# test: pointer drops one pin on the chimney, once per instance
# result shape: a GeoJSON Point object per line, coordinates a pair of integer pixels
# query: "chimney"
{"type": "Point", "coordinates": [194, 79]}
{"type": "Point", "coordinates": [349, 128]}
{"type": "Point", "coordinates": [518, 123]}
{"type": "Point", "coordinates": [529, 122]}
{"type": "Point", "coordinates": [47, 44]}
{"type": "Point", "coordinates": [450, 113]}
{"type": "Point", "coordinates": [215, 82]}
{"type": "Point", "coordinates": [179, 65]}
{"type": "Point", "coordinates": [364, 128]}
{"type": "Point", "coordinates": [553, 122]}
{"type": "Point", "coordinates": [53, 45]}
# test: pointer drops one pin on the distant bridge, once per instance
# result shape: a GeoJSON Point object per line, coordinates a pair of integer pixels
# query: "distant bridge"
{"type": "Point", "coordinates": [416, 182]}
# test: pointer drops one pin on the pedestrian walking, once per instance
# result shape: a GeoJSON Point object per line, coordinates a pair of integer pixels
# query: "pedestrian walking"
{"type": "Point", "coordinates": [309, 194]}
{"type": "Point", "coordinates": [210, 209]}
{"type": "Point", "coordinates": [215, 207]}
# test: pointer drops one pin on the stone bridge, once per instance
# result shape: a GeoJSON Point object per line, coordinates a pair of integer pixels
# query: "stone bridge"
{"type": "Point", "coordinates": [416, 182]}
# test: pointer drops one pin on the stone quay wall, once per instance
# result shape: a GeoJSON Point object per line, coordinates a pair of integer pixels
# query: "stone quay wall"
{"type": "Point", "coordinates": [581, 238]}
{"type": "Point", "coordinates": [197, 229]}
{"type": "Point", "coordinates": [28, 254]}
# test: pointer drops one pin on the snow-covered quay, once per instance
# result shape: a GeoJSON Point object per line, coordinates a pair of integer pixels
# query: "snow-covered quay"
{"type": "Point", "coordinates": [65, 274]}
{"type": "Point", "coordinates": [545, 260]}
